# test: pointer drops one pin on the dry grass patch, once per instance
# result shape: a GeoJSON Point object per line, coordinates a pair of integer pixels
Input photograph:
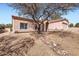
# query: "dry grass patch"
{"type": "Point", "coordinates": [47, 43]}
{"type": "Point", "coordinates": [15, 45]}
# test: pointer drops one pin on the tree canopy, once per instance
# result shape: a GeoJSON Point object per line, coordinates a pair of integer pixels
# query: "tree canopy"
{"type": "Point", "coordinates": [71, 25]}
{"type": "Point", "coordinates": [2, 26]}
{"type": "Point", "coordinates": [43, 11]}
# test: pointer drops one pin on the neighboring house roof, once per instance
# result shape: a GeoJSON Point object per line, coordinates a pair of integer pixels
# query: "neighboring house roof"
{"type": "Point", "coordinates": [50, 21]}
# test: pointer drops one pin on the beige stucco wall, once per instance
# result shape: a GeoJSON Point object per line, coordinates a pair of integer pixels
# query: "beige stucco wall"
{"type": "Point", "coordinates": [16, 25]}
{"type": "Point", "coordinates": [30, 26]}
{"type": "Point", "coordinates": [58, 26]}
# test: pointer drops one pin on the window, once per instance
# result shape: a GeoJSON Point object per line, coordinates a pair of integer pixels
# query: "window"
{"type": "Point", "coordinates": [23, 25]}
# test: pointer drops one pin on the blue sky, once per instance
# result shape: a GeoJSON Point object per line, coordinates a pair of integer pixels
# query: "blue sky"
{"type": "Point", "coordinates": [73, 17]}
{"type": "Point", "coordinates": [6, 12]}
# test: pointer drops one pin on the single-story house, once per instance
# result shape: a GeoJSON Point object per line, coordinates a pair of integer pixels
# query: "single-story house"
{"type": "Point", "coordinates": [21, 24]}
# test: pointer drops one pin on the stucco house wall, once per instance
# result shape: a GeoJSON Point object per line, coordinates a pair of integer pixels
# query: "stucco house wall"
{"type": "Point", "coordinates": [16, 26]}
{"type": "Point", "coordinates": [54, 25]}
{"type": "Point", "coordinates": [58, 26]}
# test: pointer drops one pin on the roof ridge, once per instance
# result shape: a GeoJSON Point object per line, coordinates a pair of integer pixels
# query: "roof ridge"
{"type": "Point", "coordinates": [21, 18]}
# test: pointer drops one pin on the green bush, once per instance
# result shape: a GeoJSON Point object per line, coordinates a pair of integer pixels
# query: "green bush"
{"type": "Point", "coordinates": [77, 25]}
{"type": "Point", "coordinates": [71, 25]}
{"type": "Point", "coordinates": [9, 26]}
{"type": "Point", "coordinates": [2, 26]}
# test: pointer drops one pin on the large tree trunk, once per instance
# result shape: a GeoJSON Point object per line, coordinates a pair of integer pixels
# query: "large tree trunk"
{"type": "Point", "coordinates": [47, 26]}
{"type": "Point", "coordinates": [42, 27]}
{"type": "Point", "coordinates": [39, 28]}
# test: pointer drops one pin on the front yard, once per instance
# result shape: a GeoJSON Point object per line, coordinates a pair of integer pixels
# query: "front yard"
{"type": "Point", "coordinates": [49, 43]}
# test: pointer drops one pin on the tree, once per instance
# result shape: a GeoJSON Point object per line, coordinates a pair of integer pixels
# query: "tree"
{"type": "Point", "coordinates": [77, 25]}
{"type": "Point", "coordinates": [56, 16]}
{"type": "Point", "coordinates": [71, 25]}
{"type": "Point", "coordinates": [9, 26]}
{"type": "Point", "coordinates": [2, 27]}
{"type": "Point", "coordinates": [40, 11]}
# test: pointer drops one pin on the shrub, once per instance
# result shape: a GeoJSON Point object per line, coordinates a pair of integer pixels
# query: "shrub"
{"type": "Point", "coordinates": [2, 27]}
{"type": "Point", "coordinates": [71, 25]}
{"type": "Point", "coordinates": [77, 25]}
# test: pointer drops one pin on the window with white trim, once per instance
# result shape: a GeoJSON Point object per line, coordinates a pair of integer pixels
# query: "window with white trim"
{"type": "Point", "coordinates": [23, 25]}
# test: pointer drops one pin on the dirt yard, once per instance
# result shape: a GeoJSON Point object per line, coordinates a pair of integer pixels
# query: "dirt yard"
{"type": "Point", "coordinates": [64, 43]}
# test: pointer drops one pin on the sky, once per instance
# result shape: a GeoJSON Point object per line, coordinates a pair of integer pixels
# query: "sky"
{"type": "Point", "coordinates": [6, 12]}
